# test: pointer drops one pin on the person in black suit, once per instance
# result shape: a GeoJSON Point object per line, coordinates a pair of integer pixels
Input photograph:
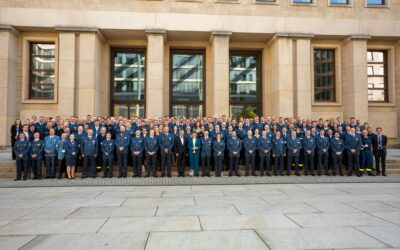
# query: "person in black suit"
{"type": "Point", "coordinates": [180, 150]}
{"type": "Point", "coordinates": [16, 128]}
{"type": "Point", "coordinates": [379, 142]}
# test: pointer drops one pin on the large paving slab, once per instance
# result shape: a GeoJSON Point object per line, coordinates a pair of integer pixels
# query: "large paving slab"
{"type": "Point", "coordinates": [388, 235]}
{"type": "Point", "coordinates": [197, 210]}
{"type": "Point", "coordinates": [15, 242]}
{"type": "Point", "coordinates": [315, 238]}
{"type": "Point", "coordinates": [218, 240]}
{"type": "Point", "coordinates": [110, 212]}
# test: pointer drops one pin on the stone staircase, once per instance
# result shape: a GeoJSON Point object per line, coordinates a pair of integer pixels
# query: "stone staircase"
{"type": "Point", "coordinates": [7, 169]}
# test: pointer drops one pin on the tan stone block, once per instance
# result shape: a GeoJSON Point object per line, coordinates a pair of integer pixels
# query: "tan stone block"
{"type": "Point", "coordinates": [66, 47]}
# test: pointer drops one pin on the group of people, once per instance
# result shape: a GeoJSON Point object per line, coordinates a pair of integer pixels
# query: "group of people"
{"type": "Point", "coordinates": [265, 145]}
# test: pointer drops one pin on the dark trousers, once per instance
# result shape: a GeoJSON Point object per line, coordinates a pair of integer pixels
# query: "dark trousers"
{"type": "Point", "coordinates": [122, 163]}
{"type": "Point", "coordinates": [308, 163]}
{"type": "Point", "coordinates": [323, 156]}
{"type": "Point", "coordinates": [36, 166]}
{"type": "Point", "coordinates": [218, 164]}
{"type": "Point", "coordinates": [278, 160]}
{"type": "Point", "coordinates": [181, 164]}
{"type": "Point", "coordinates": [380, 160]}
{"type": "Point", "coordinates": [107, 162]}
{"type": "Point", "coordinates": [166, 159]}
{"type": "Point", "coordinates": [337, 161]}
{"type": "Point", "coordinates": [267, 159]}
{"type": "Point", "coordinates": [250, 160]}
{"type": "Point", "coordinates": [12, 147]}
{"type": "Point", "coordinates": [60, 167]}
{"type": "Point", "coordinates": [50, 166]}
{"type": "Point", "coordinates": [137, 165]}
{"type": "Point", "coordinates": [89, 161]}
{"type": "Point", "coordinates": [205, 165]}
{"type": "Point", "coordinates": [293, 158]}
{"type": "Point", "coordinates": [22, 165]}
{"type": "Point", "coordinates": [151, 161]}
{"type": "Point", "coordinates": [353, 162]}
{"type": "Point", "coordinates": [233, 164]}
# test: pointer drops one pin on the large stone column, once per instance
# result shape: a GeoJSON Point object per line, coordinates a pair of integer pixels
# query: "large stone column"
{"type": "Point", "coordinates": [302, 78]}
{"type": "Point", "coordinates": [66, 74]}
{"type": "Point", "coordinates": [281, 71]}
{"type": "Point", "coordinates": [156, 100]}
{"type": "Point", "coordinates": [355, 78]}
{"type": "Point", "coordinates": [397, 84]}
{"type": "Point", "coordinates": [89, 74]}
{"type": "Point", "coordinates": [8, 75]}
{"type": "Point", "coordinates": [217, 91]}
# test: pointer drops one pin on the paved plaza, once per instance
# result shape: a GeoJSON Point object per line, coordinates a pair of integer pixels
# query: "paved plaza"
{"type": "Point", "coordinates": [271, 216]}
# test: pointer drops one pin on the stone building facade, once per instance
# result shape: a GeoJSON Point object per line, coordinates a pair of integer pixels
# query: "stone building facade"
{"type": "Point", "coordinates": [291, 58]}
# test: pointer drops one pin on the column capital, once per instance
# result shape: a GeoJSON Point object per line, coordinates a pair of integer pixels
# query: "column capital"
{"type": "Point", "coordinates": [9, 28]}
{"type": "Point", "coordinates": [294, 35]}
{"type": "Point", "coordinates": [155, 31]}
{"type": "Point", "coordinates": [76, 29]}
{"type": "Point", "coordinates": [219, 33]}
{"type": "Point", "coordinates": [359, 37]}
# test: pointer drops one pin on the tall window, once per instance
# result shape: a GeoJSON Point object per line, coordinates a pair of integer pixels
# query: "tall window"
{"type": "Point", "coordinates": [128, 83]}
{"type": "Point", "coordinates": [324, 75]}
{"type": "Point", "coordinates": [245, 84]}
{"type": "Point", "coordinates": [187, 83]}
{"type": "Point", "coordinates": [377, 76]}
{"type": "Point", "coordinates": [41, 71]}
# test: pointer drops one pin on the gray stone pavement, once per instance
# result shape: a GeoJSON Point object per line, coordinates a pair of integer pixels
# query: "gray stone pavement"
{"type": "Point", "coordinates": [271, 216]}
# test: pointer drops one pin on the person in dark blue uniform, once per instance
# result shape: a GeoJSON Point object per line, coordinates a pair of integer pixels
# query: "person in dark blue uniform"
{"type": "Point", "coordinates": [180, 149]}
{"type": "Point", "coordinates": [278, 152]}
{"type": "Point", "coordinates": [36, 153]}
{"type": "Point", "coordinates": [309, 146]}
{"type": "Point", "coordinates": [151, 149]}
{"type": "Point", "coordinates": [294, 146]}
{"type": "Point", "coordinates": [50, 143]}
{"type": "Point", "coordinates": [353, 145]}
{"type": "Point", "coordinates": [108, 146]}
{"type": "Point", "coordinates": [71, 148]}
{"type": "Point", "coordinates": [250, 146]}
{"type": "Point", "coordinates": [206, 146]}
{"type": "Point", "coordinates": [122, 144]}
{"type": "Point", "coordinates": [21, 150]}
{"type": "Point", "coordinates": [219, 148]}
{"type": "Point", "coordinates": [337, 147]}
{"type": "Point", "coordinates": [264, 151]}
{"type": "Point", "coordinates": [166, 146]}
{"type": "Point", "coordinates": [89, 154]}
{"type": "Point", "coordinates": [137, 152]}
{"type": "Point", "coordinates": [234, 146]}
{"type": "Point", "coordinates": [366, 152]}
{"type": "Point", "coordinates": [323, 152]}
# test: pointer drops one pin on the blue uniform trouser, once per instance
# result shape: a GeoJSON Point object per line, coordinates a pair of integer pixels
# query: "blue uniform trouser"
{"type": "Point", "coordinates": [323, 156]}
{"type": "Point", "coordinates": [107, 162]}
{"type": "Point", "coordinates": [22, 165]}
{"type": "Point", "coordinates": [267, 159]}
{"type": "Point", "coordinates": [366, 163]}
{"type": "Point", "coordinates": [218, 164]}
{"type": "Point", "coordinates": [353, 161]}
{"type": "Point", "coordinates": [50, 166]}
{"type": "Point", "coordinates": [337, 161]}
{"type": "Point", "coordinates": [250, 160]}
{"type": "Point", "coordinates": [137, 164]}
{"type": "Point", "coordinates": [151, 164]}
{"type": "Point", "coordinates": [122, 163]}
{"type": "Point", "coordinates": [278, 160]}
{"type": "Point", "coordinates": [308, 163]}
{"type": "Point", "coordinates": [36, 166]}
{"type": "Point", "coordinates": [89, 160]}
{"type": "Point", "coordinates": [194, 162]}
{"type": "Point", "coordinates": [233, 163]}
{"type": "Point", "coordinates": [292, 158]}
{"type": "Point", "coordinates": [205, 165]}
{"type": "Point", "coordinates": [166, 158]}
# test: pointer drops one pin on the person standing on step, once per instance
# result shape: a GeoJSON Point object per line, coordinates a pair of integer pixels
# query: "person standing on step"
{"type": "Point", "coordinates": [294, 146]}
{"type": "Point", "coordinates": [353, 145]}
{"type": "Point", "coordinates": [89, 154]}
{"type": "Point", "coordinates": [366, 152]}
{"type": "Point", "coordinates": [234, 146]}
{"type": "Point", "coordinates": [218, 148]}
{"type": "Point", "coordinates": [194, 153]}
{"type": "Point", "coordinates": [108, 146]}
{"type": "Point", "coordinates": [50, 143]}
{"type": "Point", "coordinates": [151, 149]}
{"type": "Point", "coordinates": [264, 150]}
{"type": "Point", "coordinates": [379, 142]}
{"type": "Point", "coordinates": [309, 146]}
{"type": "Point", "coordinates": [337, 148]}
{"type": "Point", "coordinates": [278, 152]}
{"type": "Point", "coordinates": [71, 154]}
{"type": "Point", "coordinates": [206, 146]}
{"type": "Point", "coordinates": [250, 146]}
{"type": "Point", "coordinates": [323, 152]}
{"type": "Point", "coordinates": [137, 142]}
{"type": "Point", "coordinates": [166, 151]}
{"type": "Point", "coordinates": [21, 150]}
{"type": "Point", "coordinates": [36, 153]}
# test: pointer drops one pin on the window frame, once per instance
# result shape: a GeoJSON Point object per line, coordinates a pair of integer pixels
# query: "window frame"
{"type": "Point", "coordinates": [348, 4]}
{"type": "Point", "coordinates": [113, 52]}
{"type": "Point", "coordinates": [335, 97]}
{"type": "Point", "coordinates": [386, 4]}
{"type": "Point", "coordinates": [385, 76]}
{"type": "Point", "coordinates": [30, 70]}
{"type": "Point", "coordinates": [311, 3]}
{"type": "Point", "coordinates": [200, 51]}
{"type": "Point", "coordinates": [259, 101]}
